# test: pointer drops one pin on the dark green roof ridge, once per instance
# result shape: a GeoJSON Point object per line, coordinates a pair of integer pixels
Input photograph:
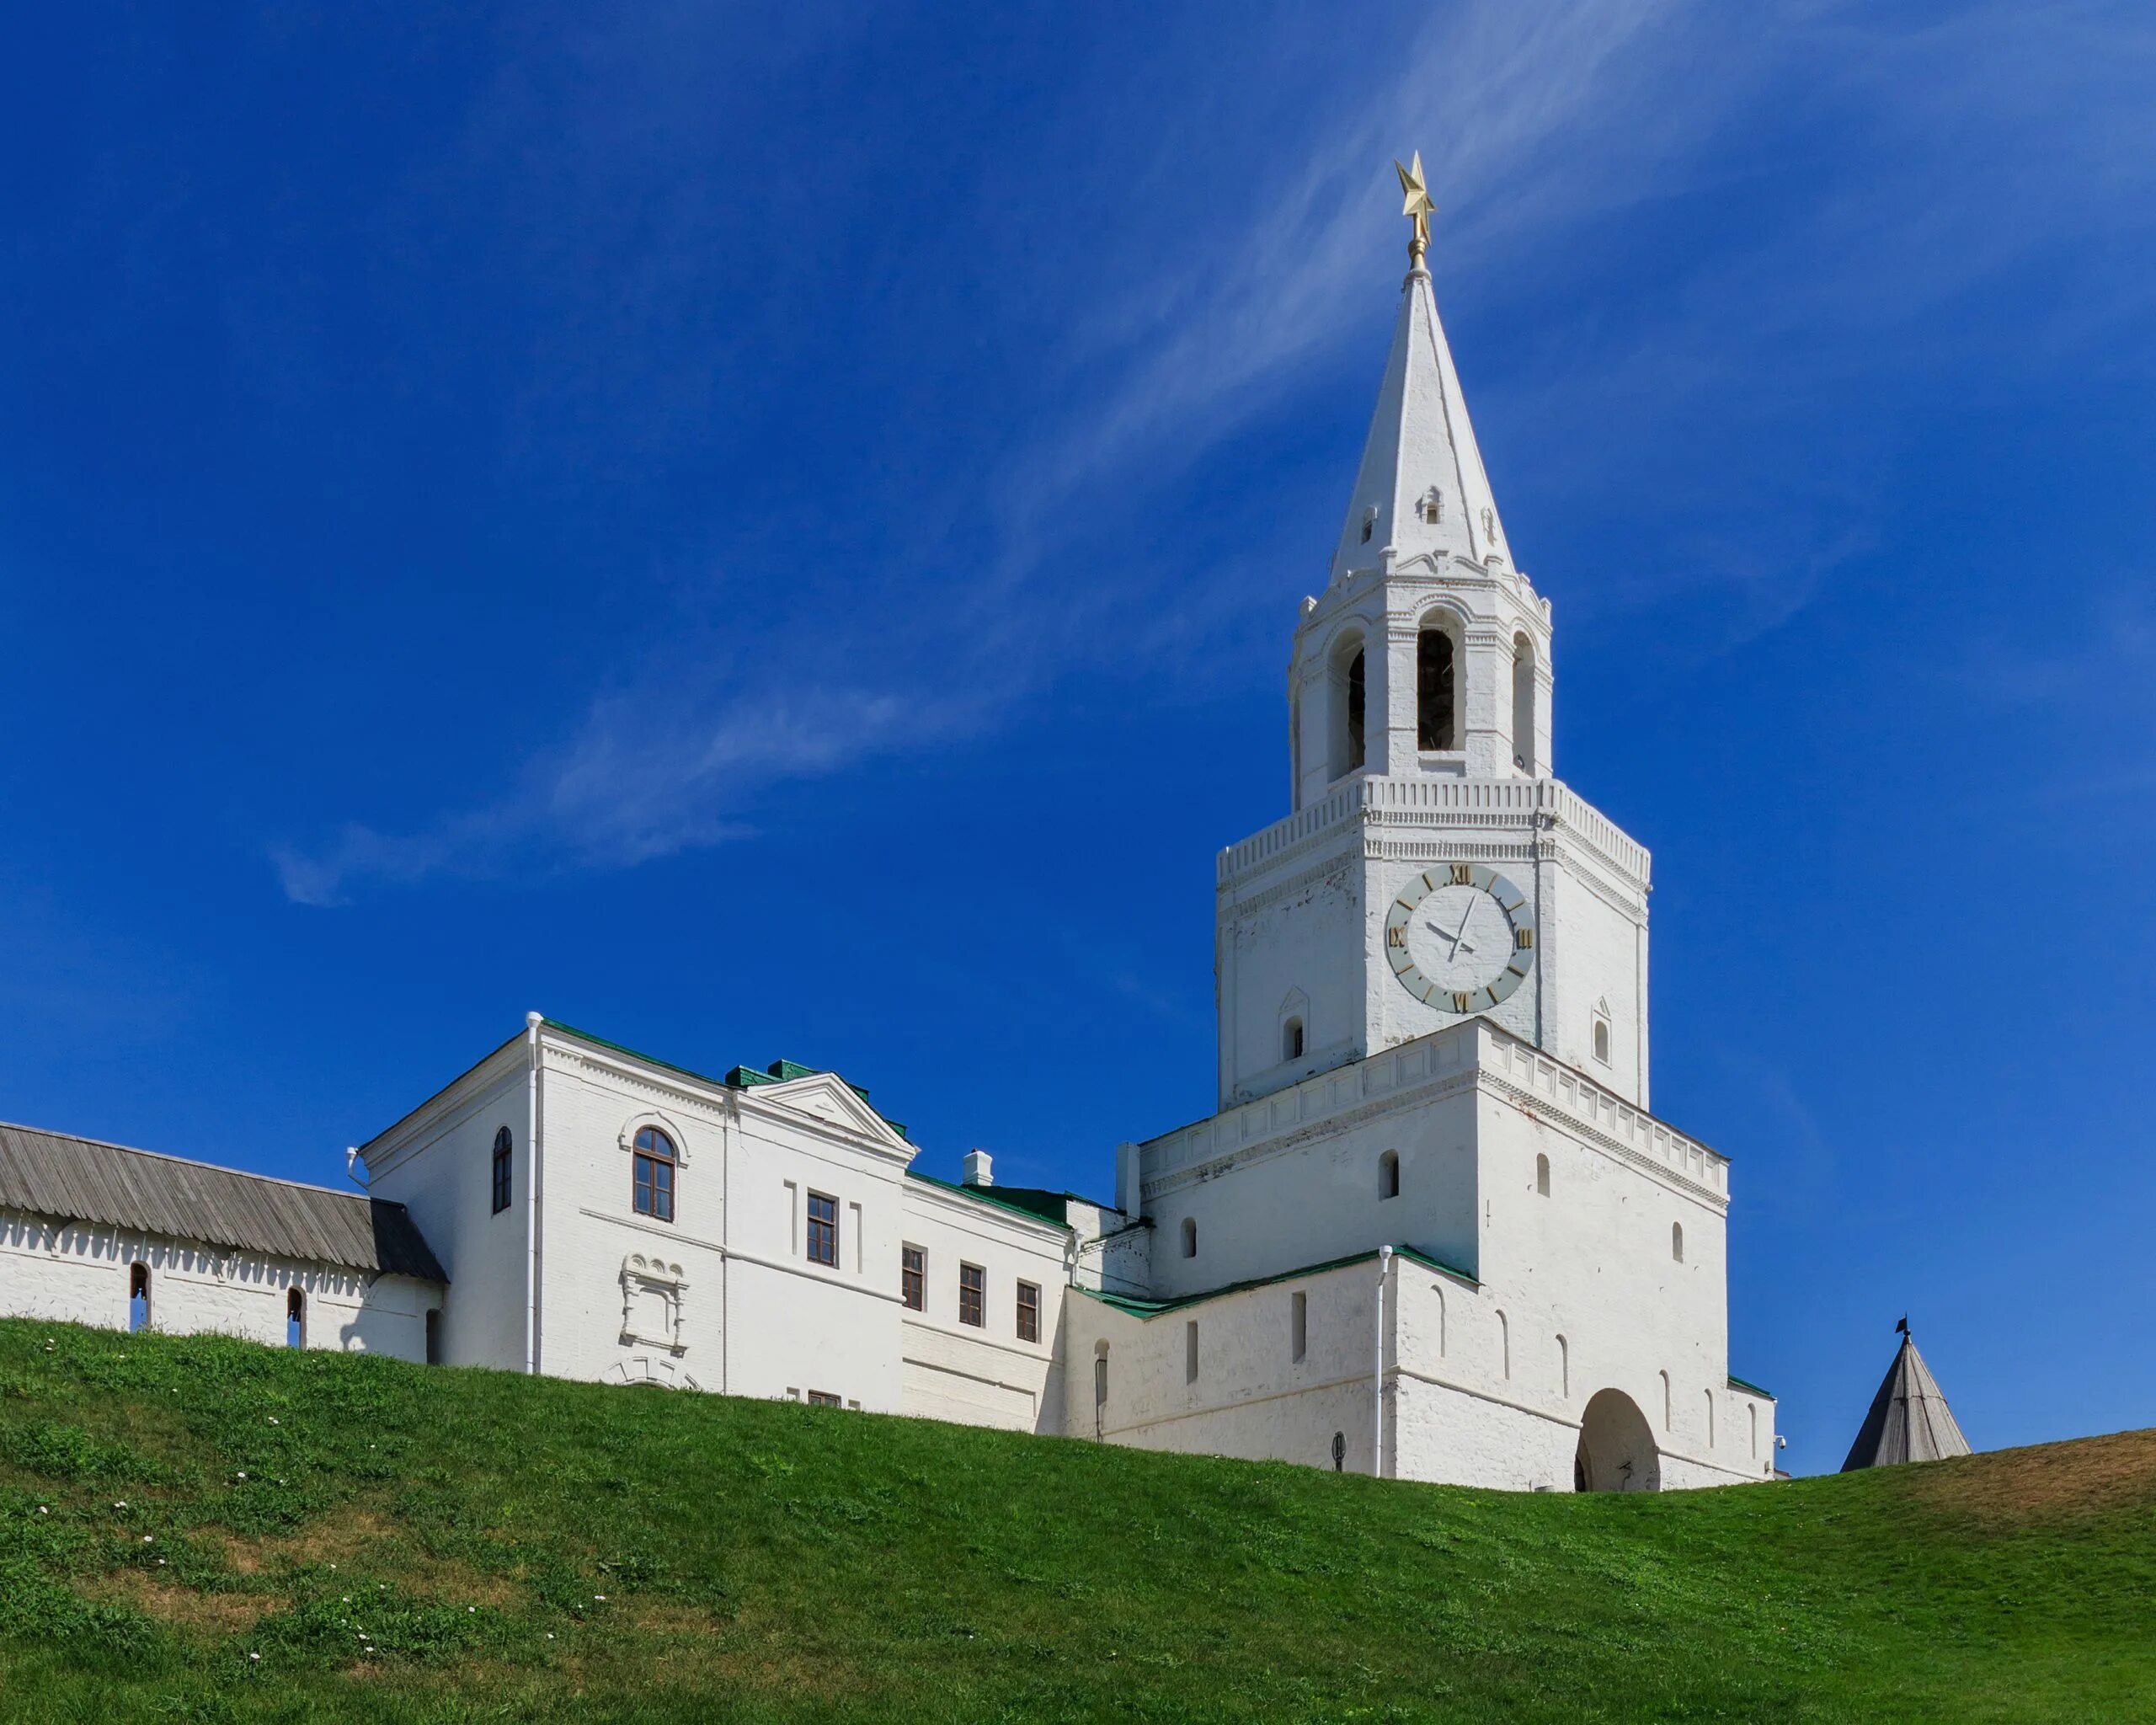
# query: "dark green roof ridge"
{"type": "Point", "coordinates": [740, 1078]}
{"type": "Point", "coordinates": [1738, 1383]}
{"type": "Point", "coordinates": [1153, 1308]}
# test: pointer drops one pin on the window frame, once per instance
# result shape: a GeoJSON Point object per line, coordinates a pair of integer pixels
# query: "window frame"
{"type": "Point", "coordinates": [296, 1318]}
{"type": "Point", "coordinates": [913, 1277]}
{"type": "Point", "coordinates": [820, 1238]}
{"type": "Point", "coordinates": [972, 1283]}
{"type": "Point", "coordinates": [824, 1398]}
{"type": "Point", "coordinates": [650, 1194]}
{"type": "Point", "coordinates": [1027, 1320]}
{"type": "Point", "coordinates": [500, 1179]}
{"type": "Point", "coordinates": [138, 1271]}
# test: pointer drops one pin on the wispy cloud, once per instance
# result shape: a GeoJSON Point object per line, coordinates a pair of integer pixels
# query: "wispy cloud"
{"type": "Point", "coordinates": [1540, 122]}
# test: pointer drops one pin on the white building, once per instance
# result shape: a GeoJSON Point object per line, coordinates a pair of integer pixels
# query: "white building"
{"type": "Point", "coordinates": [1433, 1231]}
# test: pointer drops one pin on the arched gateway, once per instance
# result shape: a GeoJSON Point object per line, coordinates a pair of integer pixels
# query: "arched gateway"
{"type": "Point", "coordinates": [1617, 1451]}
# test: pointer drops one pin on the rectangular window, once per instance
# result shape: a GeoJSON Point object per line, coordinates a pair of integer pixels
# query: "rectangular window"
{"type": "Point", "coordinates": [973, 1295]}
{"type": "Point", "coordinates": [1299, 1325]}
{"type": "Point", "coordinates": [1029, 1312]}
{"type": "Point", "coordinates": [823, 1398]}
{"type": "Point", "coordinates": [823, 1230]}
{"type": "Point", "coordinates": [501, 1171]}
{"type": "Point", "coordinates": [1190, 1353]}
{"type": "Point", "coordinates": [913, 1277]}
{"type": "Point", "coordinates": [654, 1188]}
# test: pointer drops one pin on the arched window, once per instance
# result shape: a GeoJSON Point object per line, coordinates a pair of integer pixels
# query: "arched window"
{"type": "Point", "coordinates": [1190, 1237]}
{"type": "Point", "coordinates": [1542, 1175]}
{"type": "Point", "coordinates": [1433, 506]}
{"type": "Point", "coordinates": [1602, 1040]}
{"type": "Point", "coordinates": [1564, 1367]}
{"type": "Point", "coordinates": [295, 1319]}
{"type": "Point", "coordinates": [1339, 1452]}
{"type": "Point", "coordinates": [1388, 1174]}
{"type": "Point", "coordinates": [1434, 691]}
{"type": "Point", "coordinates": [1504, 1346]}
{"type": "Point", "coordinates": [1677, 1240]}
{"type": "Point", "coordinates": [1665, 1401]}
{"type": "Point", "coordinates": [1438, 1289]}
{"type": "Point", "coordinates": [1753, 1408]}
{"type": "Point", "coordinates": [1523, 704]}
{"type": "Point", "coordinates": [1370, 523]}
{"type": "Point", "coordinates": [138, 1296]}
{"type": "Point", "coordinates": [502, 1148]}
{"type": "Point", "coordinates": [1291, 1039]}
{"type": "Point", "coordinates": [657, 1164]}
{"type": "Point", "coordinates": [1711, 1418]}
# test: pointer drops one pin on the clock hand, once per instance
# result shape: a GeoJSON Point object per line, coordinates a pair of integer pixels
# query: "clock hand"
{"type": "Point", "coordinates": [1458, 936]}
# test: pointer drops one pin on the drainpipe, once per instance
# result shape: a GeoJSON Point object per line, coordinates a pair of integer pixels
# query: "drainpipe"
{"type": "Point", "coordinates": [532, 1021]}
{"type": "Point", "coordinates": [1377, 1378]}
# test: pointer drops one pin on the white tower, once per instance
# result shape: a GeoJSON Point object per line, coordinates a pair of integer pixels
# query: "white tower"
{"type": "Point", "coordinates": [1433, 868]}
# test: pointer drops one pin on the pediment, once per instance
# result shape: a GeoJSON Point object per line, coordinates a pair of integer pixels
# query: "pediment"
{"type": "Point", "coordinates": [828, 1098]}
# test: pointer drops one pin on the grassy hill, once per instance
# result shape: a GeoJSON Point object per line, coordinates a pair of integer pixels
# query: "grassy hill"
{"type": "Point", "coordinates": [198, 1529]}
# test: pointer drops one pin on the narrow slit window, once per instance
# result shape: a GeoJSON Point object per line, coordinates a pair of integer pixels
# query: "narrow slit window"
{"type": "Point", "coordinates": [1602, 1040]}
{"type": "Point", "coordinates": [1189, 1236]}
{"type": "Point", "coordinates": [296, 1319]}
{"type": "Point", "coordinates": [138, 1297]}
{"type": "Point", "coordinates": [1190, 1353]}
{"type": "Point", "coordinates": [502, 1146]}
{"type": "Point", "coordinates": [1677, 1242]}
{"type": "Point", "coordinates": [1358, 695]}
{"type": "Point", "coordinates": [1388, 1174]}
{"type": "Point", "coordinates": [1542, 1175]}
{"type": "Point", "coordinates": [1291, 1039]}
{"type": "Point", "coordinates": [1299, 1326]}
{"type": "Point", "coordinates": [656, 1163]}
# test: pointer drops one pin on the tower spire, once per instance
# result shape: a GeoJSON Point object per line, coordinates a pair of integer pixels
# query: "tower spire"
{"type": "Point", "coordinates": [1421, 491]}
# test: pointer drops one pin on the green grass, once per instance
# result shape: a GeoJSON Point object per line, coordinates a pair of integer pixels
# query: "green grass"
{"type": "Point", "coordinates": [312, 1536]}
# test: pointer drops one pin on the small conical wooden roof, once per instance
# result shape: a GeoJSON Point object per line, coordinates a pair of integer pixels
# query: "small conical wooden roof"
{"type": "Point", "coordinates": [1909, 1420]}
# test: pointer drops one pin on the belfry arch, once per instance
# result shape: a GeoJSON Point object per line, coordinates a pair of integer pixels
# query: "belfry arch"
{"type": "Point", "coordinates": [1440, 691]}
{"type": "Point", "coordinates": [1616, 1450]}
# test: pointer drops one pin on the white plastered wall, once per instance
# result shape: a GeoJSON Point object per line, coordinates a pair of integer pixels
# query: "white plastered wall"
{"type": "Point", "coordinates": [982, 1375]}
{"type": "Point", "coordinates": [438, 1163]}
{"type": "Point", "coordinates": [79, 1274]}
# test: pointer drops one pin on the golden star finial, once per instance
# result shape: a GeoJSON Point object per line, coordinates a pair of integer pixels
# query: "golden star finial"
{"type": "Point", "coordinates": [1416, 205]}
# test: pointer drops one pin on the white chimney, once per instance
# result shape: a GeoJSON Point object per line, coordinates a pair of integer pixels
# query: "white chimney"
{"type": "Point", "coordinates": [976, 1166]}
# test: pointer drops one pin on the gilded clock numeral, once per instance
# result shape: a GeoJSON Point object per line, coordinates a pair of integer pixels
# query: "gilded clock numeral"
{"type": "Point", "coordinates": [1396, 936]}
{"type": "Point", "coordinates": [1459, 1002]}
{"type": "Point", "coordinates": [1463, 874]}
{"type": "Point", "coordinates": [1523, 938]}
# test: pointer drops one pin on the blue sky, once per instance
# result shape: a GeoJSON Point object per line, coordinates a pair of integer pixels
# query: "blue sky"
{"type": "Point", "coordinates": [775, 530]}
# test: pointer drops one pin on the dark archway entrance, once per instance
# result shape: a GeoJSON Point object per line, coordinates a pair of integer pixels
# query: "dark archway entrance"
{"type": "Point", "coordinates": [1616, 1451]}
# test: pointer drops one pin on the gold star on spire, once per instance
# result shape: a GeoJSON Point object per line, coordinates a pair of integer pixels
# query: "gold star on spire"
{"type": "Point", "coordinates": [1416, 205]}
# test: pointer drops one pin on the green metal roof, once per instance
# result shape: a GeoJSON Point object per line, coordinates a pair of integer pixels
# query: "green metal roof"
{"type": "Point", "coordinates": [987, 1195]}
{"type": "Point", "coordinates": [1738, 1383]}
{"type": "Point", "coordinates": [1153, 1308]}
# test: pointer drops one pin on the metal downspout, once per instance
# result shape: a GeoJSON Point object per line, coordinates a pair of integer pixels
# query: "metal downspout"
{"type": "Point", "coordinates": [1377, 1378]}
{"type": "Point", "coordinates": [532, 1021]}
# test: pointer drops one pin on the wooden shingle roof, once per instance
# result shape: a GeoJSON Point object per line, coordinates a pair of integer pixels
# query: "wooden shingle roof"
{"type": "Point", "coordinates": [59, 1176]}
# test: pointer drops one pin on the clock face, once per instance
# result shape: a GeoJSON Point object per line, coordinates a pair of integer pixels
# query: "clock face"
{"type": "Point", "coordinates": [1460, 938]}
